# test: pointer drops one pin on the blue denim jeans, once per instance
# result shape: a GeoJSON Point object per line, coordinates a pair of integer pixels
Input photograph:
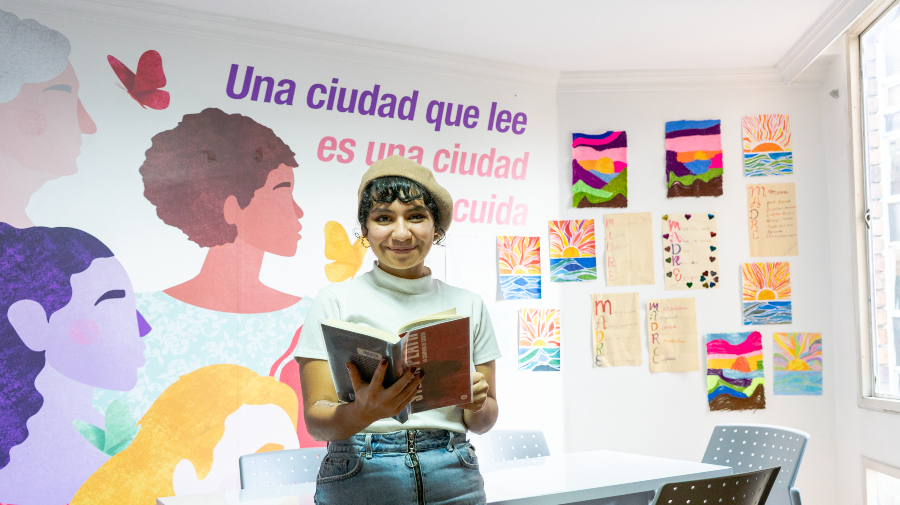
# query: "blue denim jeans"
{"type": "Point", "coordinates": [434, 467]}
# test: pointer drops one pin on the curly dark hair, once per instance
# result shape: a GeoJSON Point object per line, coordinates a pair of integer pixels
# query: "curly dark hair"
{"type": "Point", "coordinates": [191, 170]}
{"type": "Point", "coordinates": [393, 187]}
{"type": "Point", "coordinates": [35, 264]}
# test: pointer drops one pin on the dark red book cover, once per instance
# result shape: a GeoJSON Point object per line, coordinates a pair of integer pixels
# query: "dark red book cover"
{"type": "Point", "coordinates": [443, 351]}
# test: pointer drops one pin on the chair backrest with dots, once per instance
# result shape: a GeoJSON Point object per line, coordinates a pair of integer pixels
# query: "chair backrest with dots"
{"type": "Point", "coordinates": [281, 468]}
{"type": "Point", "coordinates": [747, 447]}
{"type": "Point", "coordinates": [500, 445]}
{"type": "Point", "coordinates": [751, 488]}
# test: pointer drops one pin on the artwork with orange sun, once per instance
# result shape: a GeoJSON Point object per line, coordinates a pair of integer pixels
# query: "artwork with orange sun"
{"type": "Point", "coordinates": [767, 145]}
{"type": "Point", "coordinates": [573, 255]}
{"type": "Point", "coordinates": [798, 363]}
{"type": "Point", "coordinates": [539, 340]}
{"type": "Point", "coordinates": [600, 170]}
{"type": "Point", "coordinates": [767, 293]}
{"type": "Point", "coordinates": [520, 267]}
{"type": "Point", "coordinates": [734, 371]}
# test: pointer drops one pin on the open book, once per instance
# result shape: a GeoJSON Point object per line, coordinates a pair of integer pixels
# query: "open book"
{"type": "Point", "coordinates": [438, 344]}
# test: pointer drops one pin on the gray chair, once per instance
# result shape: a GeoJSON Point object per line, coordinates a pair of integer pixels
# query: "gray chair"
{"type": "Point", "coordinates": [500, 445]}
{"type": "Point", "coordinates": [280, 468]}
{"type": "Point", "coordinates": [751, 488]}
{"type": "Point", "coordinates": [748, 447]}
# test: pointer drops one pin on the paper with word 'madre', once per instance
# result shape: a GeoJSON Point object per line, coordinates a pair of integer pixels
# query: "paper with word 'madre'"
{"type": "Point", "coordinates": [616, 321]}
{"type": "Point", "coordinates": [672, 329]}
{"type": "Point", "coordinates": [772, 219]}
{"type": "Point", "coordinates": [629, 249]}
{"type": "Point", "coordinates": [690, 251]}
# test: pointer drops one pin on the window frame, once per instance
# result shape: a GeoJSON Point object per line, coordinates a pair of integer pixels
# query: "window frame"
{"type": "Point", "coordinates": [864, 310]}
{"type": "Point", "coordinates": [877, 466]}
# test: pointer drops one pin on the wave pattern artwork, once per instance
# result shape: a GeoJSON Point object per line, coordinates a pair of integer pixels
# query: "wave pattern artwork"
{"type": "Point", "coordinates": [694, 158]}
{"type": "Point", "coordinates": [573, 254]}
{"type": "Point", "coordinates": [540, 333]}
{"type": "Point", "coordinates": [767, 145]}
{"type": "Point", "coordinates": [798, 363]}
{"type": "Point", "coordinates": [767, 293]}
{"type": "Point", "coordinates": [600, 170]}
{"type": "Point", "coordinates": [519, 267]}
{"type": "Point", "coordinates": [734, 371]}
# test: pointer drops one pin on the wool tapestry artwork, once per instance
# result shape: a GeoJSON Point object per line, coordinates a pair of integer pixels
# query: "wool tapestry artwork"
{"type": "Point", "coordinates": [520, 267]}
{"type": "Point", "coordinates": [767, 293]}
{"type": "Point", "coordinates": [539, 340]}
{"type": "Point", "coordinates": [767, 145]}
{"type": "Point", "coordinates": [573, 255]}
{"type": "Point", "coordinates": [694, 158]}
{"type": "Point", "coordinates": [690, 251]}
{"type": "Point", "coordinates": [600, 170]}
{"type": "Point", "coordinates": [734, 371]}
{"type": "Point", "coordinates": [798, 363]}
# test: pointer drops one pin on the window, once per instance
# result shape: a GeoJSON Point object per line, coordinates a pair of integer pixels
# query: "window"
{"type": "Point", "coordinates": [882, 483]}
{"type": "Point", "coordinates": [879, 47]}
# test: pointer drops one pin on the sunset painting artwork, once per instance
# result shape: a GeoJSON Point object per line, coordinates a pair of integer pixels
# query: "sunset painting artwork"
{"type": "Point", "coordinates": [600, 170]}
{"type": "Point", "coordinates": [520, 267]}
{"type": "Point", "coordinates": [734, 371]}
{"type": "Point", "coordinates": [694, 158]}
{"type": "Point", "coordinates": [767, 293]}
{"type": "Point", "coordinates": [539, 340]}
{"type": "Point", "coordinates": [767, 145]}
{"type": "Point", "coordinates": [798, 363]}
{"type": "Point", "coordinates": [572, 252]}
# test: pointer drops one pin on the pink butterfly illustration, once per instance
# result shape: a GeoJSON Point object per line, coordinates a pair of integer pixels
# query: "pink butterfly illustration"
{"type": "Point", "coordinates": [144, 86]}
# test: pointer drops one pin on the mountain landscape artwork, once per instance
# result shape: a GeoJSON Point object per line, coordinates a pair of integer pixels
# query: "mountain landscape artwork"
{"type": "Point", "coordinates": [600, 170]}
{"type": "Point", "coordinates": [694, 158]}
{"type": "Point", "coordinates": [734, 371]}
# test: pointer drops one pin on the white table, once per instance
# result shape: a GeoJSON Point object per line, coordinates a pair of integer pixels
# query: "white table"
{"type": "Point", "coordinates": [599, 477]}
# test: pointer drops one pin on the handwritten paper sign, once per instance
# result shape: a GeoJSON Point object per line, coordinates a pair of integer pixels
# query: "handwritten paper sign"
{"type": "Point", "coordinates": [690, 251]}
{"type": "Point", "coordinates": [772, 219]}
{"type": "Point", "coordinates": [629, 249]}
{"type": "Point", "coordinates": [672, 326]}
{"type": "Point", "coordinates": [616, 321]}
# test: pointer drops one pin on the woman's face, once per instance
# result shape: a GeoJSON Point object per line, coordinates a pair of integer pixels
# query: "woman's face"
{"type": "Point", "coordinates": [271, 222]}
{"type": "Point", "coordinates": [401, 234]}
{"type": "Point", "coordinates": [41, 127]}
{"type": "Point", "coordinates": [95, 338]}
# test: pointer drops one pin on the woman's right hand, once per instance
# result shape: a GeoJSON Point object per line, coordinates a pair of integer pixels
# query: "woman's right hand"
{"type": "Point", "coordinates": [373, 401]}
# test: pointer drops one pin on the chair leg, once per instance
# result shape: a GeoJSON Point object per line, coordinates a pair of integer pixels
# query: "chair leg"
{"type": "Point", "coordinates": [795, 496]}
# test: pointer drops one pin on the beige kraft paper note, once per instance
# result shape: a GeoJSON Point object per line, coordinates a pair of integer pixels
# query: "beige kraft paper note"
{"type": "Point", "coordinates": [616, 319]}
{"type": "Point", "coordinates": [629, 249]}
{"type": "Point", "coordinates": [772, 219]}
{"type": "Point", "coordinates": [672, 327]}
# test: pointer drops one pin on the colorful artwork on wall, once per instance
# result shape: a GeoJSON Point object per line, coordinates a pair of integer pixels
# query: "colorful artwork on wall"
{"type": "Point", "coordinates": [772, 219]}
{"type": "Point", "coordinates": [616, 321]}
{"type": "Point", "coordinates": [690, 251]}
{"type": "Point", "coordinates": [694, 158]}
{"type": "Point", "coordinates": [520, 267]}
{"type": "Point", "coordinates": [767, 293]}
{"type": "Point", "coordinates": [600, 170]}
{"type": "Point", "coordinates": [539, 340]}
{"type": "Point", "coordinates": [734, 371]}
{"type": "Point", "coordinates": [629, 249]}
{"type": "Point", "coordinates": [672, 332]}
{"type": "Point", "coordinates": [798, 363]}
{"type": "Point", "coordinates": [573, 255]}
{"type": "Point", "coordinates": [767, 145]}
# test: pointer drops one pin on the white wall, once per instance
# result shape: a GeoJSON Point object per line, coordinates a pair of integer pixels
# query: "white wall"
{"type": "Point", "coordinates": [630, 409]}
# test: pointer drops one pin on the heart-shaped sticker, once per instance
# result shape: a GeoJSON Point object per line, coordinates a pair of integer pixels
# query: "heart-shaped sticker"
{"type": "Point", "coordinates": [712, 248]}
{"type": "Point", "coordinates": [687, 216]}
{"type": "Point", "coordinates": [712, 258]}
{"type": "Point", "coordinates": [702, 278]}
{"type": "Point", "coordinates": [705, 284]}
{"type": "Point", "coordinates": [690, 284]}
{"type": "Point", "coordinates": [711, 216]}
{"type": "Point", "coordinates": [668, 274]}
{"type": "Point", "coordinates": [668, 260]}
{"type": "Point", "coordinates": [666, 235]}
{"type": "Point", "coordinates": [665, 217]}
{"type": "Point", "coordinates": [712, 234]}
{"type": "Point", "coordinates": [712, 284]}
{"type": "Point", "coordinates": [668, 247]}
{"type": "Point", "coordinates": [713, 273]}
{"type": "Point", "coordinates": [716, 279]}
{"type": "Point", "coordinates": [705, 273]}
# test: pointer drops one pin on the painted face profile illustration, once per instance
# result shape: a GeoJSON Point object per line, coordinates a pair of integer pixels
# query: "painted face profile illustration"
{"type": "Point", "coordinates": [68, 324]}
{"type": "Point", "coordinates": [41, 117]}
{"type": "Point", "coordinates": [191, 438]}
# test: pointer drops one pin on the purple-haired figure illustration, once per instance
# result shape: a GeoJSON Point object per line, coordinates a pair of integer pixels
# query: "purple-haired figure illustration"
{"type": "Point", "coordinates": [68, 324]}
{"type": "Point", "coordinates": [41, 117]}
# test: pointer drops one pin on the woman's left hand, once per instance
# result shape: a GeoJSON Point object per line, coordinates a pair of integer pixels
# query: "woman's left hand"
{"type": "Point", "coordinates": [480, 389]}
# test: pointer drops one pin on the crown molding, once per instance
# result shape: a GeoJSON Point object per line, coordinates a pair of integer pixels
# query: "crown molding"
{"type": "Point", "coordinates": [577, 82]}
{"type": "Point", "coordinates": [187, 22]}
{"type": "Point", "coordinates": [830, 25]}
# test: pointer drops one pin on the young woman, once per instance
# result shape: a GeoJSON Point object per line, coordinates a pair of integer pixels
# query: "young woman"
{"type": "Point", "coordinates": [372, 458]}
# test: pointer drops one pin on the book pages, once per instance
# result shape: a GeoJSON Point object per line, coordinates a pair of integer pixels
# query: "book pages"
{"type": "Point", "coordinates": [616, 320]}
{"type": "Point", "coordinates": [672, 327]}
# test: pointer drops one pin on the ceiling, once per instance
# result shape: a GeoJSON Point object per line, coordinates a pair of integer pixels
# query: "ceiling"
{"type": "Point", "coordinates": [571, 35]}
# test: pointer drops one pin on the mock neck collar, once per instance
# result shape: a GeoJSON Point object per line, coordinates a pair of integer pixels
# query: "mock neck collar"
{"type": "Point", "coordinates": [418, 286]}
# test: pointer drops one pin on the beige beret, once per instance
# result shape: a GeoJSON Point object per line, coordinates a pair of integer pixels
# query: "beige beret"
{"type": "Point", "coordinates": [404, 167]}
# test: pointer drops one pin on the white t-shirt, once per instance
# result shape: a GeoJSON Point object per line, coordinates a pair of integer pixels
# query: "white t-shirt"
{"type": "Point", "coordinates": [386, 302]}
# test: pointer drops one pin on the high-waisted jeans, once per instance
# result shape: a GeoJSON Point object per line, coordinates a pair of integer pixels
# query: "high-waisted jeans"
{"type": "Point", "coordinates": [434, 467]}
